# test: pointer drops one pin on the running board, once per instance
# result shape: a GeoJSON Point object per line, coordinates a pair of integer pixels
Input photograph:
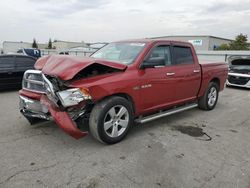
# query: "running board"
{"type": "Point", "coordinates": [165, 113]}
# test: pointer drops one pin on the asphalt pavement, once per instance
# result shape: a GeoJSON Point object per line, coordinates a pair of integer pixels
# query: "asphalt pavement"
{"type": "Point", "coordinates": [194, 148]}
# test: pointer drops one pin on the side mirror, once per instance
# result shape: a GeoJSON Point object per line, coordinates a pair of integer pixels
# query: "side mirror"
{"type": "Point", "coordinates": [153, 62]}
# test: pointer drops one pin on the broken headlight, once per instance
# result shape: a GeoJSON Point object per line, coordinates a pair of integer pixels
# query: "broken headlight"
{"type": "Point", "coordinates": [71, 97]}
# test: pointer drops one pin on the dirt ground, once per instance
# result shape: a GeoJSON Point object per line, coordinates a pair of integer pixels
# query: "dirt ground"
{"type": "Point", "coordinates": [190, 149]}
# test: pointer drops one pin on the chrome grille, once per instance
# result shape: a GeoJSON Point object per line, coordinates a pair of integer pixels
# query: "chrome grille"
{"type": "Point", "coordinates": [33, 81]}
{"type": "Point", "coordinates": [238, 80]}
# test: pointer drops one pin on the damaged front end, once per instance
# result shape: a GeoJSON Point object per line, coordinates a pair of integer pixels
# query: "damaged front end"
{"type": "Point", "coordinates": [47, 98]}
{"type": "Point", "coordinates": [48, 94]}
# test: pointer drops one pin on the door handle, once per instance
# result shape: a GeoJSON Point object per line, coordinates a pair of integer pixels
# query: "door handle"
{"type": "Point", "coordinates": [170, 73]}
{"type": "Point", "coordinates": [196, 70]}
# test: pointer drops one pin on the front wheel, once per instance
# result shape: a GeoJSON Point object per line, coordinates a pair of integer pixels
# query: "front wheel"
{"type": "Point", "coordinates": [111, 119]}
{"type": "Point", "coordinates": [209, 100]}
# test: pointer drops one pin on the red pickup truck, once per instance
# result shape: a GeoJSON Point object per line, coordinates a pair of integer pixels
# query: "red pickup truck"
{"type": "Point", "coordinates": [123, 82]}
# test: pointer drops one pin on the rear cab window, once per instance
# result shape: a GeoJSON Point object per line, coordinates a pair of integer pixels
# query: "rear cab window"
{"type": "Point", "coordinates": [182, 55]}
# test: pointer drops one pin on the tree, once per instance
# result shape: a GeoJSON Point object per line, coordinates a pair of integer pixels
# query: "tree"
{"type": "Point", "coordinates": [223, 47]}
{"type": "Point", "coordinates": [50, 44]}
{"type": "Point", "coordinates": [240, 43]}
{"type": "Point", "coordinates": [34, 44]}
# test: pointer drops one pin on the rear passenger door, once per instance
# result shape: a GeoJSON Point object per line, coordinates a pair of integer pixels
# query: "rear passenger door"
{"type": "Point", "coordinates": [187, 73]}
{"type": "Point", "coordinates": [6, 71]}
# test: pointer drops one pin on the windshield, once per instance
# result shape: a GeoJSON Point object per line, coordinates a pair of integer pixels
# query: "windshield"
{"type": "Point", "coordinates": [121, 52]}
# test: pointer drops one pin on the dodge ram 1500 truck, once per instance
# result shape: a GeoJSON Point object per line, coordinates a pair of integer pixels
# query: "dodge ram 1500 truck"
{"type": "Point", "coordinates": [123, 82]}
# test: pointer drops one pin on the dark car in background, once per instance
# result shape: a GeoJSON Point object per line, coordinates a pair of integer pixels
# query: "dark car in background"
{"type": "Point", "coordinates": [33, 52]}
{"type": "Point", "coordinates": [12, 68]}
{"type": "Point", "coordinates": [239, 71]}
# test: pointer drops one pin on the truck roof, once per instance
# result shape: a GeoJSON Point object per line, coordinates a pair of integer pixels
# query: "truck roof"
{"type": "Point", "coordinates": [148, 40]}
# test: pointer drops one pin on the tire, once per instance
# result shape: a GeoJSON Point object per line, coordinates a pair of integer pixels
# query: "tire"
{"type": "Point", "coordinates": [106, 124]}
{"type": "Point", "coordinates": [209, 100]}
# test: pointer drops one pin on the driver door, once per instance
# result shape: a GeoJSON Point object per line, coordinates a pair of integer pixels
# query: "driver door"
{"type": "Point", "coordinates": [157, 83]}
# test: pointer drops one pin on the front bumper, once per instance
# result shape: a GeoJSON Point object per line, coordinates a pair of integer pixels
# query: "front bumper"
{"type": "Point", "coordinates": [239, 80]}
{"type": "Point", "coordinates": [33, 109]}
{"type": "Point", "coordinates": [47, 110]}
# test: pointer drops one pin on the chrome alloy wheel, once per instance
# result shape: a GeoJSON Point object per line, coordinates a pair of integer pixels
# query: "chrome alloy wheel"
{"type": "Point", "coordinates": [116, 121]}
{"type": "Point", "coordinates": [212, 96]}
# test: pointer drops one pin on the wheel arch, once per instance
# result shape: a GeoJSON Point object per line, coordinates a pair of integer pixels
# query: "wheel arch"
{"type": "Point", "coordinates": [205, 84]}
{"type": "Point", "coordinates": [123, 95]}
{"type": "Point", "coordinates": [216, 80]}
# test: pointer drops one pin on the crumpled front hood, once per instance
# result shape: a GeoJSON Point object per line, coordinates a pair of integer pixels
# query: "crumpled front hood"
{"type": "Point", "coordinates": [66, 67]}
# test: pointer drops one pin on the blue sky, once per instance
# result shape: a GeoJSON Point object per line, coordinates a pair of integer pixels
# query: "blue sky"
{"type": "Point", "coordinates": [110, 20]}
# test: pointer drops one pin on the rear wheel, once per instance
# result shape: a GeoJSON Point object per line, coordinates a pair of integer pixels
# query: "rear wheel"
{"type": "Point", "coordinates": [111, 119]}
{"type": "Point", "coordinates": [209, 100]}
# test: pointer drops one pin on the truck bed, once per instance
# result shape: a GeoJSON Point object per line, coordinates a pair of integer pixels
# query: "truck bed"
{"type": "Point", "coordinates": [212, 70]}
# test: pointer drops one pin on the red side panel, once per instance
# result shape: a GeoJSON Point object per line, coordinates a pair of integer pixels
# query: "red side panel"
{"type": "Point", "coordinates": [211, 71]}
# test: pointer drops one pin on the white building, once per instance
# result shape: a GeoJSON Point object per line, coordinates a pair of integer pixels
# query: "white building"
{"type": "Point", "coordinates": [200, 42]}
{"type": "Point", "coordinates": [64, 45]}
{"type": "Point", "coordinates": [13, 47]}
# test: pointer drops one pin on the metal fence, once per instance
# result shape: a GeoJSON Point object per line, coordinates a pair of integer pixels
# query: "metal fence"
{"type": "Point", "coordinates": [45, 52]}
{"type": "Point", "coordinates": [212, 56]}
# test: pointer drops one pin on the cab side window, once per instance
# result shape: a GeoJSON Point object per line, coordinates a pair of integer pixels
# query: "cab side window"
{"type": "Point", "coordinates": [162, 51]}
{"type": "Point", "coordinates": [182, 55]}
